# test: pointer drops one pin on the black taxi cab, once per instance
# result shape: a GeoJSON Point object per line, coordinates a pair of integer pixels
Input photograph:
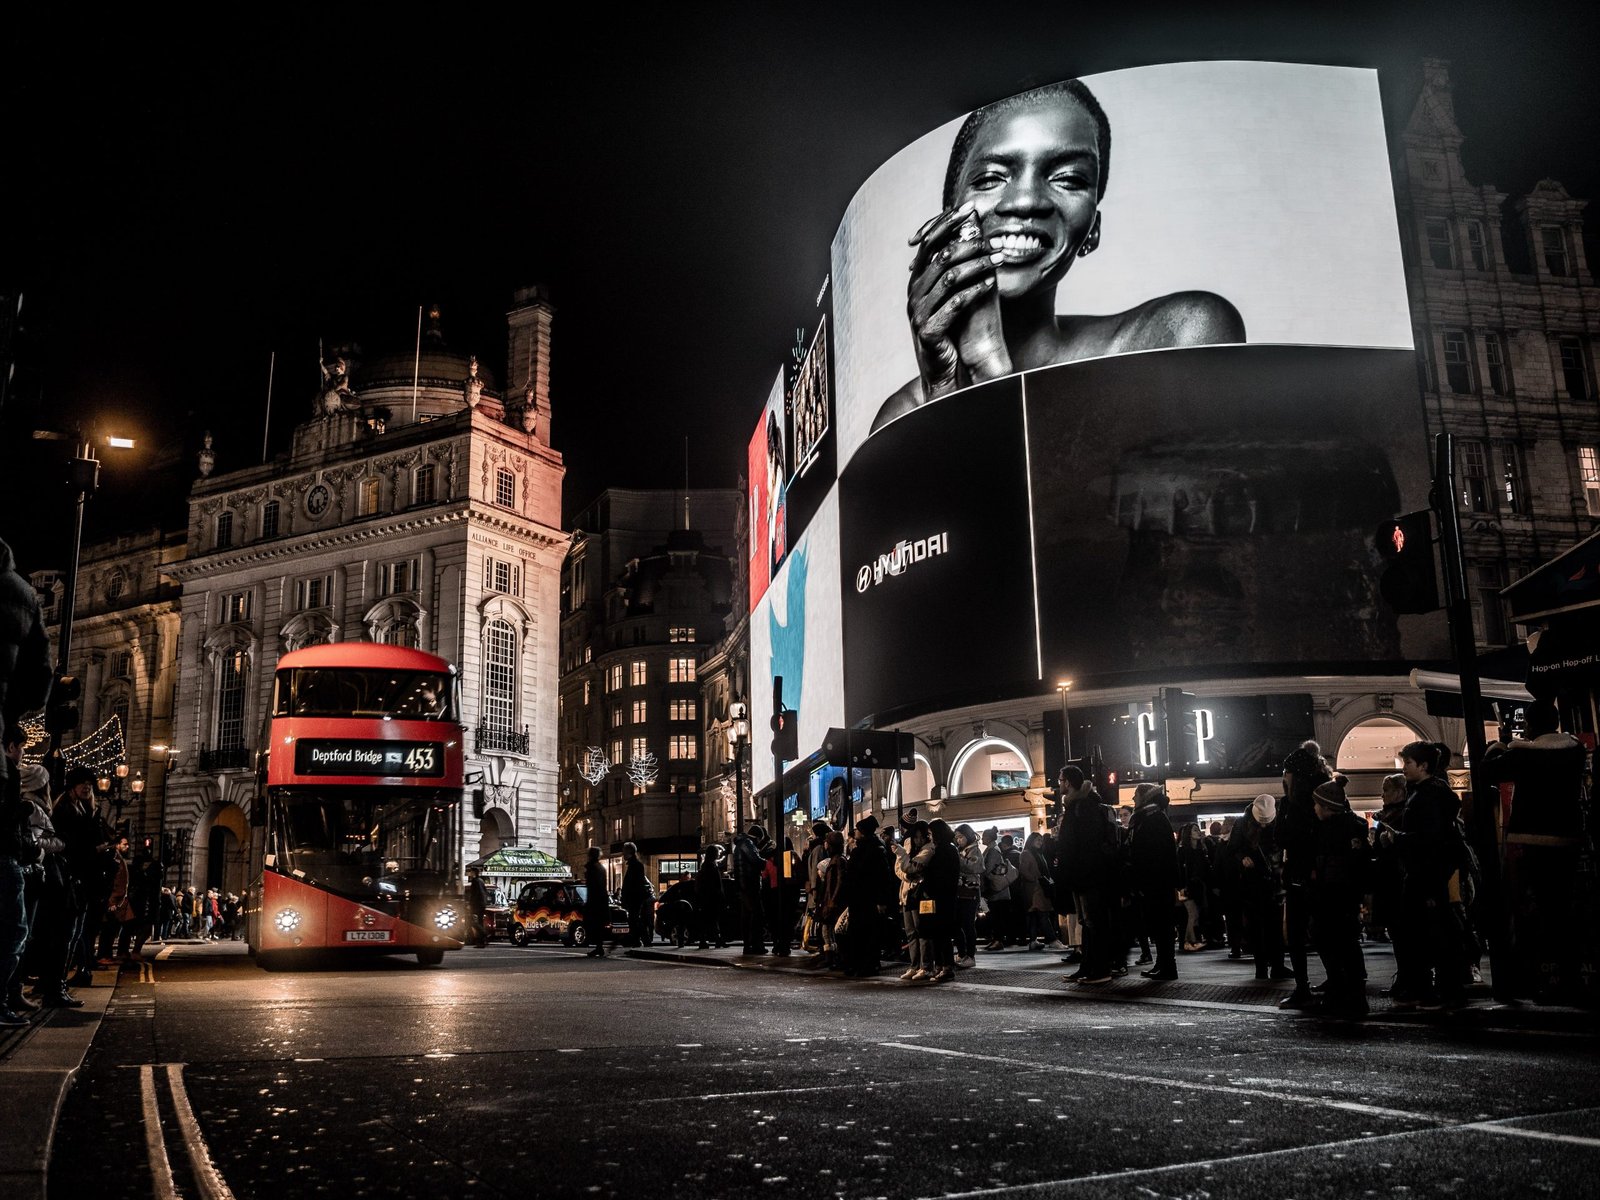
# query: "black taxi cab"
{"type": "Point", "coordinates": [552, 910]}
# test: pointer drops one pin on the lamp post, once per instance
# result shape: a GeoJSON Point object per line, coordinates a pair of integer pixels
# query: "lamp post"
{"type": "Point", "coordinates": [1064, 686]}
{"type": "Point", "coordinates": [83, 478]}
{"type": "Point", "coordinates": [738, 736]}
{"type": "Point", "coordinates": [169, 757]}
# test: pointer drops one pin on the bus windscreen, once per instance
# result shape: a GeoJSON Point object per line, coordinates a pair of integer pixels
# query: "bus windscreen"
{"type": "Point", "coordinates": [365, 693]}
{"type": "Point", "coordinates": [358, 842]}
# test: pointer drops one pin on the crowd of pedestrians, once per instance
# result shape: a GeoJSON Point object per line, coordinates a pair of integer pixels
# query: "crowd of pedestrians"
{"type": "Point", "coordinates": [1293, 882]}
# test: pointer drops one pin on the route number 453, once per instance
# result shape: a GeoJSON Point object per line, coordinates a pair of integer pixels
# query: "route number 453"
{"type": "Point", "coordinates": [419, 758]}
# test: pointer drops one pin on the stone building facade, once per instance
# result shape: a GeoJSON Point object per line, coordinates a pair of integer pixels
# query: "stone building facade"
{"type": "Point", "coordinates": [1506, 317]}
{"type": "Point", "coordinates": [419, 506]}
{"type": "Point", "coordinates": [125, 652]}
{"type": "Point", "coordinates": [646, 592]}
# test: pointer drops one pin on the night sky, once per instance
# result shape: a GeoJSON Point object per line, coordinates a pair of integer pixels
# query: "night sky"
{"type": "Point", "coordinates": [182, 200]}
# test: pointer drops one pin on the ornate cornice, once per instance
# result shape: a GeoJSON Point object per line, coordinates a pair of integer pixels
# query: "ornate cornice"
{"type": "Point", "coordinates": [294, 547]}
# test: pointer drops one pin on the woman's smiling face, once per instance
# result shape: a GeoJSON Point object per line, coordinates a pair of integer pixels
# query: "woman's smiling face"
{"type": "Point", "coordinates": [1033, 171]}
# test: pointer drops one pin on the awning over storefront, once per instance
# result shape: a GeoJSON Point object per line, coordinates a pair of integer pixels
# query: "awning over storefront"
{"type": "Point", "coordinates": [1565, 656]}
{"type": "Point", "coordinates": [1443, 693]}
{"type": "Point", "coordinates": [1568, 582]}
{"type": "Point", "coordinates": [521, 862]}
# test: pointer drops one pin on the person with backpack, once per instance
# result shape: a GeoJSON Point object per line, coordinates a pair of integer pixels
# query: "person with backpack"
{"type": "Point", "coordinates": [999, 874]}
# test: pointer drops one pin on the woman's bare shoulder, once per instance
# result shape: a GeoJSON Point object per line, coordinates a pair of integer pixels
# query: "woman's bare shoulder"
{"type": "Point", "coordinates": [1160, 323]}
{"type": "Point", "coordinates": [899, 404]}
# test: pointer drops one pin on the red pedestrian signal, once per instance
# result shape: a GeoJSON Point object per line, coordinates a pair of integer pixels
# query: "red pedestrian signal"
{"type": "Point", "coordinates": [1409, 583]}
{"type": "Point", "coordinates": [786, 731]}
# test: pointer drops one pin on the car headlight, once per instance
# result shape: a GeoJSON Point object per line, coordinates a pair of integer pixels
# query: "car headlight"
{"type": "Point", "coordinates": [445, 918]}
{"type": "Point", "coordinates": [287, 920]}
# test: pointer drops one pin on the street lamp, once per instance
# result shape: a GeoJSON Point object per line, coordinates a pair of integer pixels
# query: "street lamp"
{"type": "Point", "coordinates": [738, 737]}
{"type": "Point", "coordinates": [1064, 686]}
{"type": "Point", "coordinates": [83, 478]}
{"type": "Point", "coordinates": [169, 757]}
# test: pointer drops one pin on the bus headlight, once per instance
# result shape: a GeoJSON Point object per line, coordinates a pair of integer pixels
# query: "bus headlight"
{"type": "Point", "coordinates": [287, 920]}
{"type": "Point", "coordinates": [445, 918]}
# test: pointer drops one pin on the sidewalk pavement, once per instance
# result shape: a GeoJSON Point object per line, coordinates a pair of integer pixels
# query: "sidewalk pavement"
{"type": "Point", "coordinates": [1206, 979]}
{"type": "Point", "coordinates": [36, 1068]}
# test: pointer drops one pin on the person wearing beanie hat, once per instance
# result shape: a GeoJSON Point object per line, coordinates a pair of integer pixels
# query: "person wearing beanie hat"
{"type": "Point", "coordinates": [1295, 834]}
{"type": "Point", "coordinates": [1153, 870]}
{"type": "Point", "coordinates": [1338, 881]}
{"type": "Point", "coordinates": [1250, 882]}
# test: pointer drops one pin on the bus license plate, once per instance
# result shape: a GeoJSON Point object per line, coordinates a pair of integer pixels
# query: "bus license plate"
{"type": "Point", "coordinates": [367, 935]}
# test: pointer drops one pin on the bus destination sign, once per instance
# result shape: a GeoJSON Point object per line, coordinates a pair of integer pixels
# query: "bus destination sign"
{"type": "Point", "coordinates": [336, 756]}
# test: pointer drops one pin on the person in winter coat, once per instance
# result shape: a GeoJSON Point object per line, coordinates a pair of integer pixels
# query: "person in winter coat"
{"type": "Point", "coordinates": [779, 894]}
{"type": "Point", "coordinates": [1338, 883]}
{"type": "Point", "coordinates": [1386, 877]}
{"type": "Point", "coordinates": [998, 893]}
{"type": "Point", "coordinates": [1153, 874]}
{"type": "Point", "coordinates": [638, 897]}
{"type": "Point", "coordinates": [1431, 852]}
{"type": "Point", "coordinates": [969, 890]}
{"type": "Point", "coordinates": [868, 881]}
{"type": "Point", "coordinates": [477, 899]}
{"type": "Point", "coordinates": [935, 900]}
{"type": "Point", "coordinates": [708, 898]}
{"type": "Point", "coordinates": [828, 900]}
{"type": "Point", "coordinates": [748, 864]}
{"type": "Point", "coordinates": [1544, 841]}
{"type": "Point", "coordinates": [815, 852]}
{"type": "Point", "coordinates": [1088, 851]}
{"type": "Point", "coordinates": [596, 903]}
{"type": "Point", "coordinates": [1194, 874]}
{"type": "Point", "coordinates": [1304, 769]}
{"type": "Point", "coordinates": [1036, 885]}
{"type": "Point", "coordinates": [1247, 869]}
{"type": "Point", "coordinates": [911, 858]}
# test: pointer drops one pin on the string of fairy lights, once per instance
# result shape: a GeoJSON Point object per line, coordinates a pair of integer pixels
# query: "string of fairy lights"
{"type": "Point", "coordinates": [100, 752]}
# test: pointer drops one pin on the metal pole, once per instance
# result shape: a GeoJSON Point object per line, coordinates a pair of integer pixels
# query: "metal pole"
{"type": "Point", "coordinates": [83, 475]}
{"type": "Point", "coordinates": [1458, 607]}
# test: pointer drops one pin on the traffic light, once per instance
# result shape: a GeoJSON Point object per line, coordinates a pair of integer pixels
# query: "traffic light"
{"type": "Point", "coordinates": [786, 735]}
{"type": "Point", "coordinates": [61, 710]}
{"type": "Point", "coordinates": [1408, 583]}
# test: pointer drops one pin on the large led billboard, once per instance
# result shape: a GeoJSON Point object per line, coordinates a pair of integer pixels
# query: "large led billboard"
{"type": "Point", "coordinates": [1123, 382]}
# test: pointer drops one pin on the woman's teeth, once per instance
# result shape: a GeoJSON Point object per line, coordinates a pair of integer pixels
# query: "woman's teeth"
{"type": "Point", "coordinates": [1017, 242]}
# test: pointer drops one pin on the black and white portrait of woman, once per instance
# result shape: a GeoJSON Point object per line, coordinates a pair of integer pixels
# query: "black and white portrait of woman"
{"type": "Point", "coordinates": [1021, 204]}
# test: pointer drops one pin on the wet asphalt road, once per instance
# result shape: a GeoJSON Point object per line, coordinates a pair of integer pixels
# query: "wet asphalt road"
{"type": "Point", "coordinates": [541, 1073]}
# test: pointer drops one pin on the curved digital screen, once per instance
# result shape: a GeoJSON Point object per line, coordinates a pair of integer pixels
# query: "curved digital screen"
{"type": "Point", "coordinates": [1122, 381]}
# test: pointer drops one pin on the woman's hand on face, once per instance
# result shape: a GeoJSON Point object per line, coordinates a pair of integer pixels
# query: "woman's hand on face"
{"type": "Point", "coordinates": [952, 273]}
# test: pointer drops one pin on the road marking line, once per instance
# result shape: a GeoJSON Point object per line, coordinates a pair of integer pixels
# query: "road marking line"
{"type": "Point", "coordinates": [165, 951]}
{"type": "Point", "coordinates": [1053, 1185]}
{"type": "Point", "coordinates": [206, 1175]}
{"type": "Point", "coordinates": [1570, 1139]}
{"type": "Point", "coordinates": [793, 1091]}
{"type": "Point", "coordinates": [1371, 1110]}
{"type": "Point", "coordinates": [154, 1143]}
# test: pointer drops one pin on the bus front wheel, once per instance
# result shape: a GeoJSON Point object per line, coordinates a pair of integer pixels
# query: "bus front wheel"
{"type": "Point", "coordinates": [430, 958]}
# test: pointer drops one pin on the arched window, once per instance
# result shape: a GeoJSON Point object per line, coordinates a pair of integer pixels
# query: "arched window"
{"type": "Point", "coordinates": [989, 765]}
{"type": "Point", "coordinates": [1373, 745]}
{"type": "Point", "coordinates": [399, 633]}
{"type": "Point", "coordinates": [499, 676]}
{"type": "Point", "coordinates": [116, 705]}
{"type": "Point", "coordinates": [233, 671]}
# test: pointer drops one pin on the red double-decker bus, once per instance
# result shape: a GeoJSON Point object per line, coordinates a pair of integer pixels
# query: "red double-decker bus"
{"type": "Point", "coordinates": [358, 796]}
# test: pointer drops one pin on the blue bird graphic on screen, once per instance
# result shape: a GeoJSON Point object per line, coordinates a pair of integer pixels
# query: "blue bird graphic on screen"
{"type": "Point", "coordinates": [789, 637]}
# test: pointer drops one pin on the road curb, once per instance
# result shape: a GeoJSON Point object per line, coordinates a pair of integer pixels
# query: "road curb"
{"type": "Point", "coordinates": [1485, 1018]}
{"type": "Point", "coordinates": [35, 1079]}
